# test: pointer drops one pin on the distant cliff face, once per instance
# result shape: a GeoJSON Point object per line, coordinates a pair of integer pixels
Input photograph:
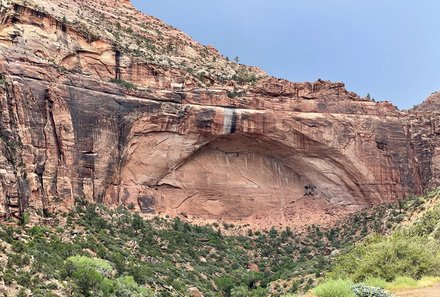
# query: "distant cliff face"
{"type": "Point", "coordinates": [102, 102]}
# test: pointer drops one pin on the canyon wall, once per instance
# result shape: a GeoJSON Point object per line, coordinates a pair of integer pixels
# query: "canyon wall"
{"type": "Point", "coordinates": [181, 130]}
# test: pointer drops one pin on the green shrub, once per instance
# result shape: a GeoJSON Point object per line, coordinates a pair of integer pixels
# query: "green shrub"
{"type": "Point", "coordinates": [361, 290]}
{"type": "Point", "coordinates": [24, 219]}
{"type": "Point", "coordinates": [91, 283]}
{"type": "Point", "coordinates": [127, 287]}
{"type": "Point", "coordinates": [225, 284]}
{"type": "Point", "coordinates": [334, 288]}
{"type": "Point", "coordinates": [8, 277]}
{"type": "Point", "coordinates": [90, 275]}
{"type": "Point", "coordinates": [81, 262]}
{"type": "Point", "coordinates": [22, 293]}
{"type": "Point", "coordinates": [390, 257]}
{"type": "Point", "coordinates": [402, 282]}
{"type": "Point", "coordinates": [236, 93]}
{"type": "Point", "coordinates": [243, 291]}
{"type": "Point", "coordinates": [428, 224]}
{"type": "Point", "coordinates": [237, 279]}
{"type": "Point", "coordinates": [23, 278]}
{"type": "Point", "coordinates": [375, 282]}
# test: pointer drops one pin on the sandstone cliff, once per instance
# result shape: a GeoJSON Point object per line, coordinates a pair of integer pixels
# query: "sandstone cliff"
{"type": "Point", "coordinates": [102, 102]}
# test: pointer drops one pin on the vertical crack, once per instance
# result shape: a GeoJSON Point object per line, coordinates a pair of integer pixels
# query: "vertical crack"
{"type": "Point", "coordinates": [14, 205]}
{"type": "Point", "coordinates": [50, 102]}
{"type": "Point", "coordinates": [44, 200]}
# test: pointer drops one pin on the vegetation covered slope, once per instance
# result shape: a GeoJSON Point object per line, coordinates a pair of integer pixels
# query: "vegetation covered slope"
{"type": "Point", "coordinates": [94, 251]}
{"type": "Point", "coordinates": [409, 257]}
{"type": "Point", "coordinates": [412, 250]}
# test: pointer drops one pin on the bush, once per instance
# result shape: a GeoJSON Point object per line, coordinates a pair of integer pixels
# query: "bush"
{"type": "Point", "coordinates": [390, 257]}
{"type": "Point", "coordinates": [239, 279]}
{"type": "Point", "coordinates": [85, 263]}
{"type": "Point", "coordinates": [361, 290]}
{"type": "Point", "coordinates": [402, 282]}
{"type": "Point", "coordinates": [22, 293]}
{"type": "Point", "coordinates": [376, 282]}
{"type": "Point", "coordinates": [428, 281]}
{"type": "Point", "coordinates": [236, 93]}
{"type": "Point", "coordinates": [90, 275]}
{"type": "Point", "coordinates": [8, 277]}
{"type": "Point", "coordinates": [127, 287]}
{"type": "Point", "coordinates": [334, 288]}
{"type": "Point", "coordinates": [243, 291]}
{"type": "Point", "coordinates": [24, 219]}
{"type": "Point", "coordinates": [92, 283]}
{"type": "Point", "coordinates": [428, 224]}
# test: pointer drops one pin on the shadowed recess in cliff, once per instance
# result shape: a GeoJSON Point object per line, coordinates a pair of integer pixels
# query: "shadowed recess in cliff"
{"type": "Point", "coordinates": [239, 175]}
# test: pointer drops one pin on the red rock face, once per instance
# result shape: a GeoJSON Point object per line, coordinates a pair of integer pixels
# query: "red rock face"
{"type": "Point", "coordinates": [228, 143]}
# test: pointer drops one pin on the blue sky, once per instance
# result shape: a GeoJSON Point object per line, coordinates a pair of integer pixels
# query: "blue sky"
{"type": "Point", "coordinates": [388, 48]}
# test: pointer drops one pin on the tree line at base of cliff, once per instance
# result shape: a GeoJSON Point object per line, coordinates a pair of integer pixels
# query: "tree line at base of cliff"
{"type": "Point", "coordinates": [95, 251]}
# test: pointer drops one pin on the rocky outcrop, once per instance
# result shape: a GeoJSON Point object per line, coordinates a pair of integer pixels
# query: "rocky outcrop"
{"type": "Point", "coordinates": [423, 124]}
{"type": "Point", "coordinates": [85, 113]}
{"type": "Point", "coordinates": [432, 103]}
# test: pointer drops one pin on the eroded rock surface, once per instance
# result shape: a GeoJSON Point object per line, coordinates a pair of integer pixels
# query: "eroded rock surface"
{"type": "Point", "coordinates": [102, 102]}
